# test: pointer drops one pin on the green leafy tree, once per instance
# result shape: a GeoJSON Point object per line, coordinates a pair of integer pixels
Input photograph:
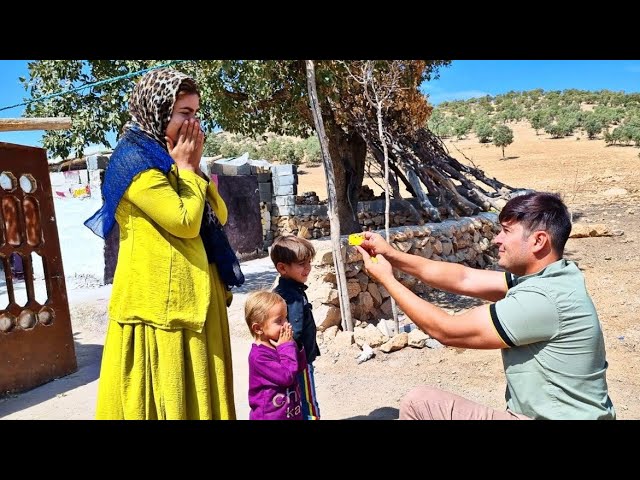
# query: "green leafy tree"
{"type": "Point", "coordinates": [592, 125]}
{"type": "Point", "coordinates": [242, 96]}
{"type": "Point", "coordinates": [312, 152]}
{"type": "Point", "coordinates": [502, 137]}
{"type": "Point", "coordinates": [555, 130]}
{"type": "Point", "coordinates": [437, 123]}
{"type": "Point", "coordinates": [485, 104]}
{"type": "Point", "coordinates": [444, 128]}
{"type": "Point", "coordinates": [538, 119]}
{"type": "Point", "coordinates": [483, 130]}
{"type": "Point", "coordinates": [231, 150]}
{"type": "Point", "coordinates": [611, 138]}
{"type": "Point", "coordinates": [273, 151]}
{"type": "Point", "coordinates": [462, 126]}
{"type": "Point", "coordinates": [212, 145]}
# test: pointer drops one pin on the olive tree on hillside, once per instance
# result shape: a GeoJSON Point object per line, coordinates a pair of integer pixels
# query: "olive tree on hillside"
{"type": "Point", "coordinates": [538, 119]}
{"type": "Point", "coordinates": [592, 124]}
{"type": "Point", "coordinates": [483, 129]}
{"type": "Point", "coordinates": [502, 137]}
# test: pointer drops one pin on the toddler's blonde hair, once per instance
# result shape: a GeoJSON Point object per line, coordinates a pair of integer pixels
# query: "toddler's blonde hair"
{"type": "Point", "coordinates": [257, 306]}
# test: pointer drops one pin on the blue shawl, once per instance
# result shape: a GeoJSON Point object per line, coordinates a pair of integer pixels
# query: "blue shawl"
{"type": "Point", "coordinates": [136, 152]}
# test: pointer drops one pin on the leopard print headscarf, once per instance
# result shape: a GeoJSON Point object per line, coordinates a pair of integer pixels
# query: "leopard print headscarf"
{"type": "Point", "coordinates": [151, 102]}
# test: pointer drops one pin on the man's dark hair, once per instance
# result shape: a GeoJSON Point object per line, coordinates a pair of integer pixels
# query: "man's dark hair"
{"type": "Point", "coordinates": [540, 211]}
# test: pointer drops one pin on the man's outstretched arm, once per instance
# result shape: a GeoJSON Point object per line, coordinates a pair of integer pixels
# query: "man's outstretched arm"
{"type": "Point", "coordinates": [451, 277]}
{"type": "Point", "coordinates": [473, 329]}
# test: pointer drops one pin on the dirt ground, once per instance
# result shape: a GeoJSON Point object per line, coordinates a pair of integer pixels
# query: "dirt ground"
{"type": "Point", "coordinates": [585, 172]}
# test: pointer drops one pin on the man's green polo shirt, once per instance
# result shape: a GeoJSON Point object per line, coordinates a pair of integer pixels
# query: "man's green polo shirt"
{"type": "Point", "coordinates": [556, 364]}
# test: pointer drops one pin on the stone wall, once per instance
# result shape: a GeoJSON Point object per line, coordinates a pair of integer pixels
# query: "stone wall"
{"type": "Point", "coordinates": [467, 241]}
{"type": "Point", "coordinates": [370, 215]}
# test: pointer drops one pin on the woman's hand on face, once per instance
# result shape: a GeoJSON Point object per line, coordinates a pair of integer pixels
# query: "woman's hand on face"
{"type": "Point", "coordinates": [187, 150]}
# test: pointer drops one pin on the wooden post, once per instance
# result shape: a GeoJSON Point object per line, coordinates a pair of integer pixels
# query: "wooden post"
{"type": "Point", "coordinates": [334, 220]}
{"type": "Point", "coordinates": [47, 123]}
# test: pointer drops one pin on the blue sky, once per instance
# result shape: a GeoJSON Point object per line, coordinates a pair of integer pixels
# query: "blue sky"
{"type": "Point", "coordinates": [463, 79]}
{"type": "Point", "coordinates": [11, 93]}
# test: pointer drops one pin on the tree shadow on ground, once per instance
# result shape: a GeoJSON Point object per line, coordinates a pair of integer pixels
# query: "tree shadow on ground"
{"type": "Point", "coordinates": [451, 301]}
{"type": "Point", "coordinates": [257, 281]}
{"type": "Point", "coordinates": [382, 413]}
{"type": "Point", "coordinates": [88, 358]}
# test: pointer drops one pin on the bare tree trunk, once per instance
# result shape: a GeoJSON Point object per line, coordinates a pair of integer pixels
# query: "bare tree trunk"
{"type": "Point", "coordinates": [387, 202]}
{"type": "Point", "coordinates": [334, 220]}
{"type": "Point", "coordinates": [348, 153]}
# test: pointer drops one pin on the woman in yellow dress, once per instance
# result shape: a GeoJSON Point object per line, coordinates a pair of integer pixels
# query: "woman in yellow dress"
{"type": "Point", "coordinates": [167, 352]}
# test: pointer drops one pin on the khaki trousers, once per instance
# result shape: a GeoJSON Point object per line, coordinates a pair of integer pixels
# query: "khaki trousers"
{"type": "Point", "coordinates": [428, 403]}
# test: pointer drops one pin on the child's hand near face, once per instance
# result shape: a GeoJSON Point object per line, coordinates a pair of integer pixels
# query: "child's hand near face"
{"type": "Point", "coordinates": [286, 334]}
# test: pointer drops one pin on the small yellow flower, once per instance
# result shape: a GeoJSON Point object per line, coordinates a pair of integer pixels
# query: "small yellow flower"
{"type": "Point", "coordinates": [356, 239]}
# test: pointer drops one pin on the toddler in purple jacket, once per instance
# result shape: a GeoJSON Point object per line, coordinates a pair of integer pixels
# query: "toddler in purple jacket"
{"type": "Point", "coordinates": [274, 359]}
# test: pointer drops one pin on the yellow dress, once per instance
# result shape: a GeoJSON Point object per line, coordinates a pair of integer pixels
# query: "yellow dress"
{"type": "Point", "coordinates": [167, 352]}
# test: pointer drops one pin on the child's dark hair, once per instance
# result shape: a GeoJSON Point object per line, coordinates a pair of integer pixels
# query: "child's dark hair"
{"type": "Point", "coordinates": [290, 249]}
{"type": "Point", "coordinates": [540, 211]}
